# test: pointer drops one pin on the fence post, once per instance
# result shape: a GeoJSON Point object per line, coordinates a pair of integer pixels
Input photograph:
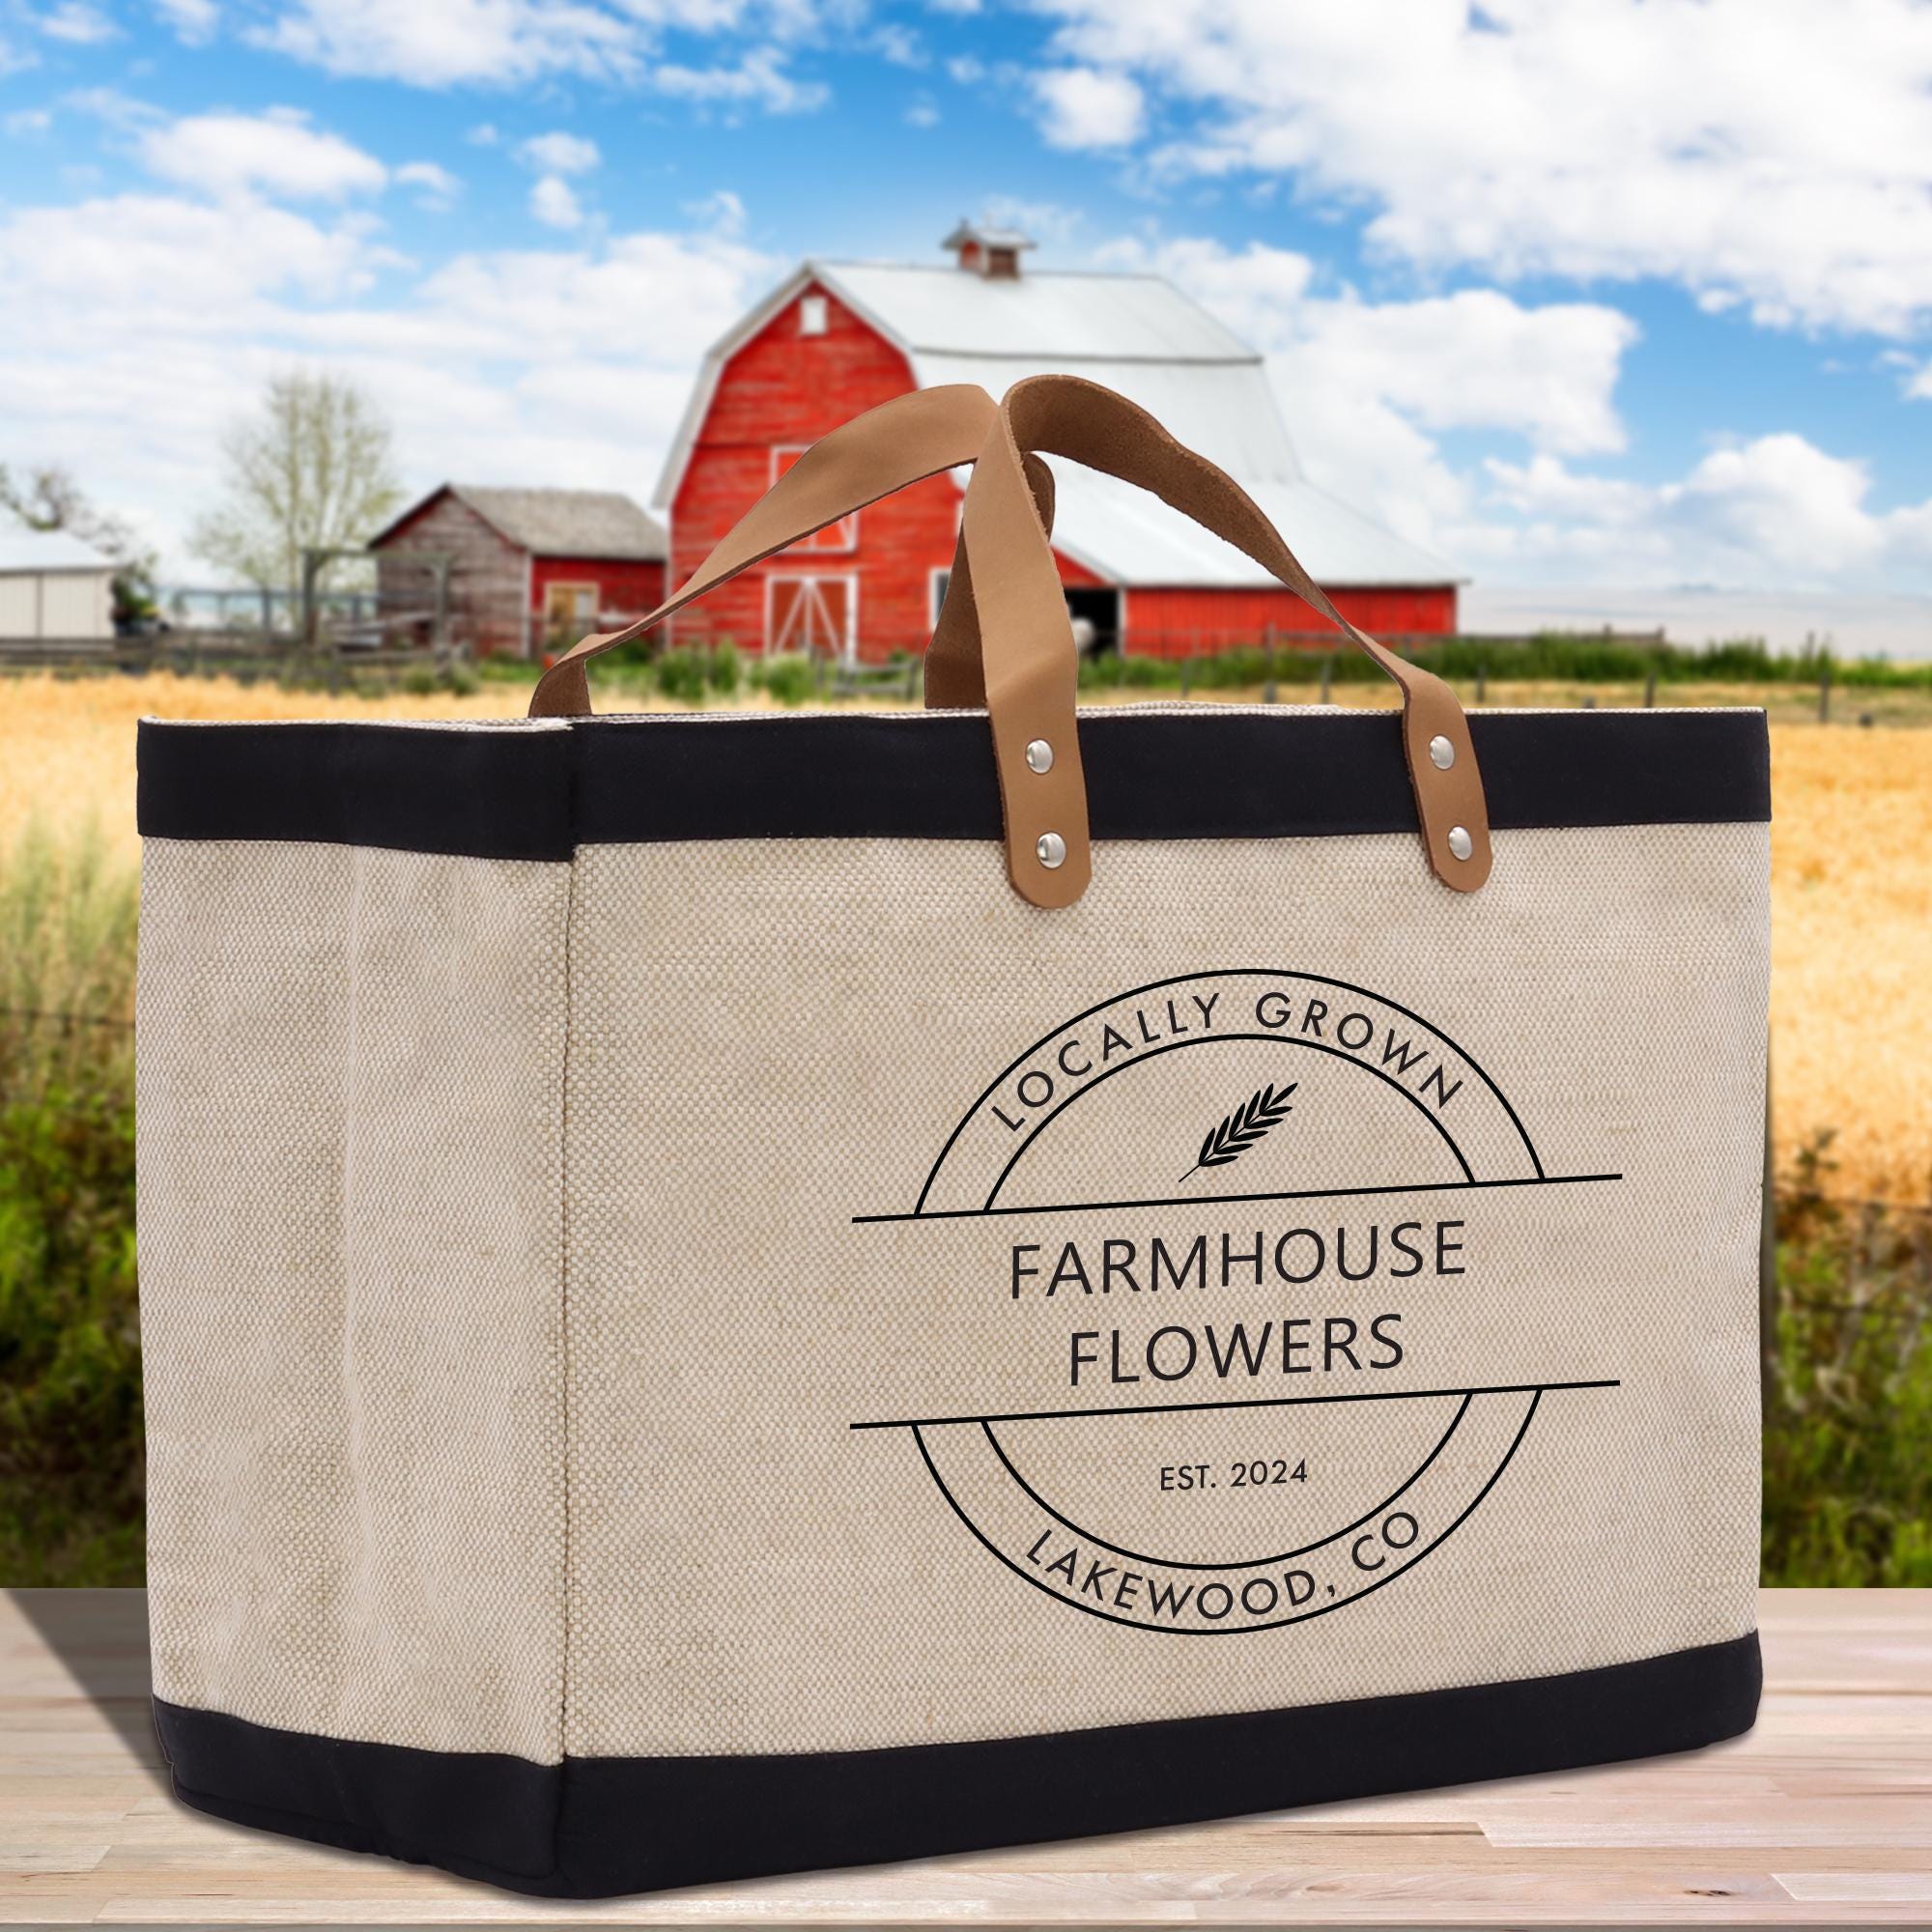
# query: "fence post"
{"type": "Point", "coordinates": [1327, 676]}
{"type": "Point", "coordinates": [1650, 692]}
{"type": "Point", "coordinates": [1269, 693]}
{"type": "Point", "coordinates": [1825, 696]}
{"type": "Point", "coordinates": [1187, 674]}
{"type": "Point", "coordinates": [1482, 683]}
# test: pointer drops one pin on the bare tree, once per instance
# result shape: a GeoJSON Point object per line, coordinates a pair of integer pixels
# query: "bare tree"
{"type": "Point", "coordinates": [310, 469]}
{"type": "Point", "coordinates": [48, 498]}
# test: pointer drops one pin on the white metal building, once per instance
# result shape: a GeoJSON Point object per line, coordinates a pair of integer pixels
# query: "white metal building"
{"type": "Point", "coordinates": [54, 588]}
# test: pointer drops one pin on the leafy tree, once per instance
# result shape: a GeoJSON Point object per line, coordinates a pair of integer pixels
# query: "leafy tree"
{"type": "Point", "coordinates": [311, 468]}
{"type": "Point", "coordinates": [48, 498]}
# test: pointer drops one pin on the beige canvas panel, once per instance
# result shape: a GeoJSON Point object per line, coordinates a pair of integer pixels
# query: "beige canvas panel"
{"type": "Point", "coordinates": [769, 1039]}
{"type": "Point", "coordinates": [349, 1102]}
{"type": "Point", "coordinates": [353, 1070]}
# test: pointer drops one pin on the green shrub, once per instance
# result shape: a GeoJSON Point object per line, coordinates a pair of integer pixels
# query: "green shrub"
{"type": "Point", "coordinates": [71, 1456]}
{"type": "Point", "coordinates": [1848, 1436]}
{"type": "Point", "coordinates": [790, 679]}
{"type": "Point", "coordinates": [724, 670]}
{"type": "Point", "coordinates": [1553, 657]}
{"type": "Point", "coordinates": [681, 674]}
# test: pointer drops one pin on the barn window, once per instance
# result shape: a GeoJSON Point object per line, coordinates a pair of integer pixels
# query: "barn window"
{"type": "Point", "coordinates": [940, 580]}
{"type": "Point", "coordinates": [843, 536]}
{"type": "Point", "coordinates": [812, 315]}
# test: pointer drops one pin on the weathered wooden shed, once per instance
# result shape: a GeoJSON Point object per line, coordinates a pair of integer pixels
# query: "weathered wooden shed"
{"type": "Point", "coordinates": [530, 569]}
{"type": "Point", "coordinates": [54, 588]}
{"type": "Point", "coordinates": [840, 337]}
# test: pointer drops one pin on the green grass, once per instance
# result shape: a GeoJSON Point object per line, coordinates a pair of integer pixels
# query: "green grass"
{"type": "Point", "coordinates": [1553, 657]}
{"type": "Point", "coordinates": [71, 1462]}
{"type": "Point", "coordinates": [1848, 1442]}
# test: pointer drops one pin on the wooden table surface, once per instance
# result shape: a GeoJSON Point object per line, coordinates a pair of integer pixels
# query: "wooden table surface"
{"type": "Point", "coordinates": [1822, 1816]}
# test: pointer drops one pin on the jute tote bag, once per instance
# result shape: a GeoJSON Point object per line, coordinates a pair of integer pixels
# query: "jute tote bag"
{"type": "Point", "coordinates": [729, 1294]}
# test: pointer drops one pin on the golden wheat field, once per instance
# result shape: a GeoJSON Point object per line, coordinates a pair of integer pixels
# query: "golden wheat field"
{"type": "Point", "coordinates": [1851, 884]}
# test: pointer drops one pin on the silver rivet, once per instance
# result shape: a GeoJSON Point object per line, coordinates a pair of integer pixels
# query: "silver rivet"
{"type": "Point", "coordinates": [1459, 841]}
{"type": "Point", "coordinates": [1441, 754]}
{"type": "Point", "coordinates": [1040, 756]}
{"type": "Point", "coordinates": [1050, 849]}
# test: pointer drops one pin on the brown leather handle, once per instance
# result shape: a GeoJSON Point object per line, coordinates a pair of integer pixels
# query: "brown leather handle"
{"type": "Point", "coordinates": [1021, 663]}
{"type": "Point", "coordinates": [1024, 669]}
{"type": "Point", "coordinates": [899, 443]}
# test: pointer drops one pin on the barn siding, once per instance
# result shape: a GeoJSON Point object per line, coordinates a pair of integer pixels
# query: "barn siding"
{"type": "Point", "coordinates": [626, 588]}
{"type": "Point", "coordinates": [783, 388]}
{"type": "Point", "coordinates": [486, 577]}
{"type": "Point", "coordinates": [1178, 622]}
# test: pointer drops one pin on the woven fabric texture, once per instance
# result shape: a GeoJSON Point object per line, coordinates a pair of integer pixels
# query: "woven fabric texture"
{"type": "Point", "coordinates": [349, 1100]}
{"type": "Point", "coordinates": [770, 1041]}
{"type": "Point", "coordinates": [1273, 1280]}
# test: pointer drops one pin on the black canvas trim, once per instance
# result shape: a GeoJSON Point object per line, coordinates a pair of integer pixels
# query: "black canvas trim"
{"type": "Point", "coordinates": [592, 1828]}
{"type": "Point", "coordinates": [513, 792]}
{"type": "Point", "coordinates": [480, 792]}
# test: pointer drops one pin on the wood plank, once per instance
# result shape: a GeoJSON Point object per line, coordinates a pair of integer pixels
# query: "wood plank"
{"type": "Point", "coordinates": [1822, 1816]}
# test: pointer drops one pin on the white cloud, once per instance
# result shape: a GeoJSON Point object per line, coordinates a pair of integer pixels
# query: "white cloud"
{"type": "Point", "coordinates": [759, 80]}
{"type": "Point", "coordinates": [277, 153]}
{"type": "Point", "coordinates": [559, 153]}
{"type": "Point", "coordinates": [720, 213]}
{"type": "Point", "coordinates": [555, 203]}
{"type": "Point", "coordinates": [900, 44]}
{"type": "Point", "coordinates": [559, 365]}
{"type": "Point", "coordinates": [437, 188]}
{"type": "Point", "coordinates": [76, 22]}
{"type": "Point", "coordinates": [1366, 387]}
{"type": "Point", "coordinates": [1774, 513]}
{"type": "Point", "coordinates": [1781, 496]}
{"type": "Point", "coordinates": [483, 136]}
{"type": "Point", "coordinates": [922, 113]}
{"type": "Point", "coordinates": [1048, 222]}
{"type": "Point", "coordinates": [509, 43]}
{"type": "Point", "coordinates": [1769, 153]}
{"type": "Point", "coordinates": [27, 121]}
{"type": "Point", "coordinates": [454, 43]}
{"type": "Point", "coordinates": [1368, 390]}
{"type": "Point", "coordinates": [1084, 107]}
{"type": "Point", "coordinates": [193, 21]}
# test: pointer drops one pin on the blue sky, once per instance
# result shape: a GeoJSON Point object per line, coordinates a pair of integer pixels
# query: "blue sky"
{"type": "Point", "coordinates": [1575, 292]}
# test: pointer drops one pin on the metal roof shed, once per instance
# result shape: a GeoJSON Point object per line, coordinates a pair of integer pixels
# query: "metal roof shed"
{"type": "Point", "coordinates": [54, 588]}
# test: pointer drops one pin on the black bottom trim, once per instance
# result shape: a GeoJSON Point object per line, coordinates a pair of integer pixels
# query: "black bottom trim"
{"type": "Point", "coordinates": [595, 1827]}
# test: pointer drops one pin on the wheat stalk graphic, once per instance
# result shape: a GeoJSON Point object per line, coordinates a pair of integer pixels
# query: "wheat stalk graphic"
{"type": "Point", "coordinates": [1242, 1128]}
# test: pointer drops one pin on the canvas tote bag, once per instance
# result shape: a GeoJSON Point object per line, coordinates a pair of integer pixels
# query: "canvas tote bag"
{"type": "Point", "coordinates": [729, 1293]}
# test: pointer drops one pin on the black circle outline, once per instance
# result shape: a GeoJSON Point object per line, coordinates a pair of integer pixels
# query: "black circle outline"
{"type": "Point", "coordinates": [1087, 1087]}
{"type": "Point", "coordinates": [1408, 1482]}
{"type": "Point", "coordinates": [1243, 1629]}
{"type": "Point", "coordinates": [1227, 973]}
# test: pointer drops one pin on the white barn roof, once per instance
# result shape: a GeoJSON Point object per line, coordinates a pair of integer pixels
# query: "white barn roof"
{"type": "Point", "coordinates": [39, 552]}
{"type": "Point", "coordinates": [1135, 333]}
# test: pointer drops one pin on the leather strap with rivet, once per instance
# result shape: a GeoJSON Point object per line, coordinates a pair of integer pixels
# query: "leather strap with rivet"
{"type": "Point", "coordinates": [1006, 642]}
{"type": "Point", "coordinates": [1026, 669]}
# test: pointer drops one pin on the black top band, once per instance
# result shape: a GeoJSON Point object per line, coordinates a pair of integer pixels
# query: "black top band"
{"type": "Point", "coordinates": [538, 791]}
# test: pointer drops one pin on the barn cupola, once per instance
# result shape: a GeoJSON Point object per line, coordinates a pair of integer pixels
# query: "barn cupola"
{"type": "Point", "coordinates": [992, 252]}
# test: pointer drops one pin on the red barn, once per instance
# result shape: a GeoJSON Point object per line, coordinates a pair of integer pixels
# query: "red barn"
{"type": "Point", "coordinates": [530, 569]}
{"type": "Point", "coordinates": [838, 338]}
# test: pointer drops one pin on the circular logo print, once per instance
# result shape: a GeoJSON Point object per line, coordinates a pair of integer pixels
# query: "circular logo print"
{"type": "Point", "coordinates": [1220, 1191]}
